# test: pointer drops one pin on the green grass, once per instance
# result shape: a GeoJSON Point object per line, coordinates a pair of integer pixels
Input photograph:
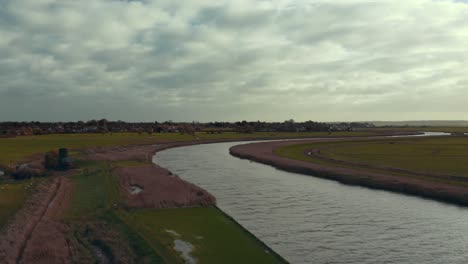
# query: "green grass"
{"type": "Point", "coordinates": [12, 197]}
{"type": "Point", "coordinates": [96, 190]}
{"type": "Point", "coordinates": [19, 148]}
{"type": "Point", "coordinates": [140, 246]}
{"type": "Point", "coordinates": [440, 155]}
{"type": "Point", "coordinates": [437, 155]}
{"type": "Point", "coordinates": [216, 238]}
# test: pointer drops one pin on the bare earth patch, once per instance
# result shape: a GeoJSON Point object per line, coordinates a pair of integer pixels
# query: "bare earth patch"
{"type": "Point", "coordinates": [160, 188]}
{"type": "Point", "coordinates": [150, 186]}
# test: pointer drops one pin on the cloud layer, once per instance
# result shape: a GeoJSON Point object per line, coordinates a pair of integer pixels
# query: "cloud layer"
{"type": "Point", "coordinates": [233, 60]}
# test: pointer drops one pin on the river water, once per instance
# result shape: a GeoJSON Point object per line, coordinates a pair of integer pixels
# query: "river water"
{"type": "Point", "coordinates": [312, 220]}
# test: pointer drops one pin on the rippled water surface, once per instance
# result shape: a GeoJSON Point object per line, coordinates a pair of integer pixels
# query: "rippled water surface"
{"type": "Point", "coordinates": [311, 220]}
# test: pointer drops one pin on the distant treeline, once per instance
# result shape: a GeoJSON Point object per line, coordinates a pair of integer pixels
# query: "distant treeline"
{"type": "Point", "coordinates": [105, 126]}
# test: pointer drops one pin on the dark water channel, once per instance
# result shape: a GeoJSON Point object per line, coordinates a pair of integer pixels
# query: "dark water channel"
{"type": "Point", "coordinates": [312, 220]}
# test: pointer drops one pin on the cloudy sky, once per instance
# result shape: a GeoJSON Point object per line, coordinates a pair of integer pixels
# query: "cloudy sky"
{"type": "Point", "coordinates": [233, 60]}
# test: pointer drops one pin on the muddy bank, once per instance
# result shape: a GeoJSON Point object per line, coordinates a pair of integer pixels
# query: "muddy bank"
{"type": "Point", "coordinates": [150, 186]}
{"type": "Point", "coordinates": [159, 188]}
{"type": "Point", "coordinates": [264, 153]}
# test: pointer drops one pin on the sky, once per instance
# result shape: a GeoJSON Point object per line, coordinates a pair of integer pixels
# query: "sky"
{"type": "Point", "coordinates": [205, 60]}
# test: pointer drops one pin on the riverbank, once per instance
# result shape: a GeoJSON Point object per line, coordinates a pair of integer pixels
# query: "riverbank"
{"type": "Point", "coordinates": [30, 150]}
{"type": "Point", "coordinates": [265, 153]}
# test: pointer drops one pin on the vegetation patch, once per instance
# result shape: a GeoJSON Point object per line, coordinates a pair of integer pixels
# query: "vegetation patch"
{"type": "Point", "coordinates": [98, 233]}
{"type": "Point", "coordinates": [96, 190]}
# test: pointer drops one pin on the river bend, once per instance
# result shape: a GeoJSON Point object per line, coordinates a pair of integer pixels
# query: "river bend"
{"type": "Point", "coordinates": [313, 220]}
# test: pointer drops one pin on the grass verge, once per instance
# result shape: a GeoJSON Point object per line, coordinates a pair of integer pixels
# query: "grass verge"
{"type": "Point", "coordinates": [215, 238]}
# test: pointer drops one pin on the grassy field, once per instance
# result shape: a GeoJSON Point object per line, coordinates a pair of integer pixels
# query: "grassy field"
{"type": "Point", "coordinates": [437, 155]}
{"type": "Point", "coordinates": [12, 197]}
{"type": "Point", "coordinates": [20, 148]}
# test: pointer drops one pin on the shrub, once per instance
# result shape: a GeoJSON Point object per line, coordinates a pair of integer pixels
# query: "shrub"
{"type": "Point", "coordinates": [51, 160]}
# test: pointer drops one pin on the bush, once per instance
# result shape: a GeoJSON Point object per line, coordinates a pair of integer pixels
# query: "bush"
{"type": "Point", "coordinates": [51, 160]}
{"type": "Point", "coordinates": [27, 171]}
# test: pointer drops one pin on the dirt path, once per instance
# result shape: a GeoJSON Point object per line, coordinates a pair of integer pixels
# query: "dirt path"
{"type": "Point", "coordinates": [34, 231]}
{"type": "Point", "coordinates": [264, 153]}
{"type": "Point", "coordinates": [51, 229]}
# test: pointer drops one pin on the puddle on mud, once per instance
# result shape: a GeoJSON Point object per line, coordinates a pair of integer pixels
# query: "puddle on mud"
{"type": "Point", "coordinates": [135, 189]}
{"type": "Point", "coordinates": [185, 248]}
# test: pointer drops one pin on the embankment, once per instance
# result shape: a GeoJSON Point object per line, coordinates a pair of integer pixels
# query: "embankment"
{"type": "Point", "coordinates": [264, 153]}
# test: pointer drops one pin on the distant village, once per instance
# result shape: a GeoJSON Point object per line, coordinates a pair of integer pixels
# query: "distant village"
{"type": "Point", "coordinates": [13, 129]}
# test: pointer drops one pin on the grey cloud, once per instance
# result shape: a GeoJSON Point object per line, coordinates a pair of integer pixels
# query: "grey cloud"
{"type": "Point", "coordinates": [205, 60]}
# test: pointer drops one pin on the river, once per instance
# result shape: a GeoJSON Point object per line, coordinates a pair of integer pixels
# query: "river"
{"type": "Point", "coordinates": [313, 220]}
